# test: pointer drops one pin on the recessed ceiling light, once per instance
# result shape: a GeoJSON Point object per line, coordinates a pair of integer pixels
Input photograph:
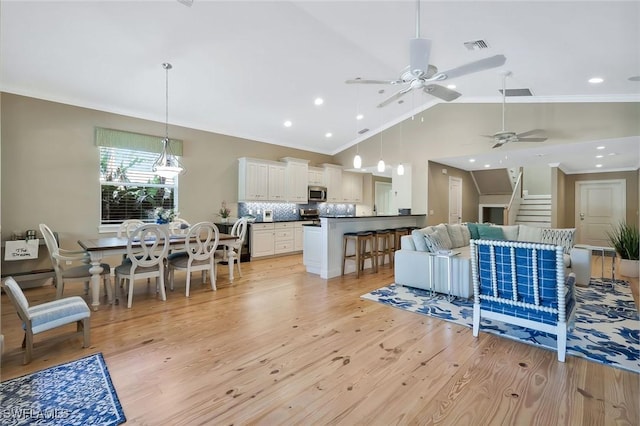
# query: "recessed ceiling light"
{"type": "Point", "coordinates": [612, 154]}
{"type": "Point", "coordinates": [451, 86]}
{"type": "Point", "coordinates": [599, 156]}
{"type": "Point", "coordinates": [472, 160]}
{"type": "Point", "coordinates": [600, 147]}
{"type": "Point", "coordinates": [328, 135]}
{"type": "Point", "coordinates": [486, 166]}
{"type": "Point", "coordinates": [598, 165]}
{"type": "Point", "coordinates": [359, 117]}
{"type": "Point", "coordinates": [318, 101]}
{"type": "Point", "coordinates": [287, 123]}
{"type": "Point", "coordinates": [596, 80]}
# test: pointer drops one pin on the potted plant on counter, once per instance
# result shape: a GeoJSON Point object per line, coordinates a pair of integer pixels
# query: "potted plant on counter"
{"type": "Point", "coordinates": [626, 240]}
{"type": "Point", "coordinates": [224, 212]}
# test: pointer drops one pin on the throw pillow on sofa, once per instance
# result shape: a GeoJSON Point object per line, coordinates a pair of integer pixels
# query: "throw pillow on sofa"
{"type": "Point", "coordinates": [418, 239]}
{"type": "Point", "coordinates": [487, 232]}
{"type": "Point", "coordinates": [455, 234]}
{"type": "Point", "coordinates": [530, 234]}
{"type": "Point", "coordinates": [443, 236]}
{"type": "Point", "coordinates": [434, 242]}
{"type": "Point", "coordinates": [473, 230]}
{"type": "Point", "coordinates": [510, 232]}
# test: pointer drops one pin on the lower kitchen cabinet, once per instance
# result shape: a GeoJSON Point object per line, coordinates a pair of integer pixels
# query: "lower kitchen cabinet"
{"type": "Point", "coordinates": [268, 239]}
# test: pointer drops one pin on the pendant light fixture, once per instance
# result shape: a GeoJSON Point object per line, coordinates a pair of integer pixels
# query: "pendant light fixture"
{"type": "Point", "coordinates": [400, 169]}
{"type": "Point", "coordinates": [357, 160]}
{"type": "Point", "coordinates": [167, 164]}
{"type": "Point", "coordinates": [381, 165]}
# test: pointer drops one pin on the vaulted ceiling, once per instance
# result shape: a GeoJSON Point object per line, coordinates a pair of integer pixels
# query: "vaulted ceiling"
{"type": "Point", "coordinates": [243, 68]}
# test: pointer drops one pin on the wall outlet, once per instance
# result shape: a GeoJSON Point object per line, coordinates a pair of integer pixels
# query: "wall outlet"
{"type": "Point", "coordinates": [68, 262]}
{"type": "Point", "coordinates": [431, 212]}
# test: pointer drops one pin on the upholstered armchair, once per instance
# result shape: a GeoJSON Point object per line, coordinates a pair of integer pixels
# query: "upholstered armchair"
{"type": "Point", "coordinates": [523, 284]}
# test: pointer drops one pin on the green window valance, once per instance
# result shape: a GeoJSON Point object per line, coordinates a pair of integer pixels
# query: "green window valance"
{"type": "Point", "coordinates": [138, 141]}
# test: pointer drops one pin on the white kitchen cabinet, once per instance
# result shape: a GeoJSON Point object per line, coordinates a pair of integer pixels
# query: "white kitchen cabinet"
{"type": "Point", "coordinates": [333, 182]}
{"type": "Point", "coordinates": [296, 180]}
{"type": "Point", "coordinates": [351, 187]}
{"type": "Point", "coordinates": [284, 237]}
{"type": "Point", "coordinates": [262, 239]}
{"type": "Point", "coordinates": [315, 176]}
{"type": "Point", "coordinates": [253, 178]}
{"type": "Point", "coordinates": [298, 234]}
{"type": "Point", "coordinates": [277, 181]}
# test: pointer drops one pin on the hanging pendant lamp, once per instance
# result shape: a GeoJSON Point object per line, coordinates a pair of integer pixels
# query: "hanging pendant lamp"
{"type": "Point", "coordinates": [167, 164]}
{"type": "Point", "coordinates": [381, 165]}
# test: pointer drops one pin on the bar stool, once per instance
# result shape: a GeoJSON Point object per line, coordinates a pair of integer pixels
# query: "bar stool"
{"type": "Point", "coordinates": [398, 234]}
{"type": "Point", "coordinates": [384, 241]}
{"type": "Point", "coordinates": [365, 246]}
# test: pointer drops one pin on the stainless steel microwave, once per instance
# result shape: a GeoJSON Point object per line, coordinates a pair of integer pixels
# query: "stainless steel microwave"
{"type": "Point", "coordinates": [317, 193]}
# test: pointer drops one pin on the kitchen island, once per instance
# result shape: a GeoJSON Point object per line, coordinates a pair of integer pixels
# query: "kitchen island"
{"type": "Point", "coordinates": [322, 252]}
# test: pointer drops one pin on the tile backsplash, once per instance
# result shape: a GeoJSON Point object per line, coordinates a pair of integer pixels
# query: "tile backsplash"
{"type": "Point", "coordinates": [291, 211]}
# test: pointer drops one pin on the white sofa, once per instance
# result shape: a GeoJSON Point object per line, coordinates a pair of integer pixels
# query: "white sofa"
{"type": "Point", "coordinates": [416, 255]}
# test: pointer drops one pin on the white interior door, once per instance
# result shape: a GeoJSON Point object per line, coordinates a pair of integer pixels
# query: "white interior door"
{"type": "Point", "coordinates": [600, 205]}
{"type": "Point", "coordinates": [455, 199]}
{"type": "Point", "coordinates": [383, 198]}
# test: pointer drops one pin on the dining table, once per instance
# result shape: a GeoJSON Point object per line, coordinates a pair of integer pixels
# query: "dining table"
{"type": "Point", "coordinates": [98, 248]}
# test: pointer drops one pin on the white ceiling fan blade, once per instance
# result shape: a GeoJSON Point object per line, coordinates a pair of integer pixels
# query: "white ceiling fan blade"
{"type": "Point", "coordinates": [394, 97]}
{"type": "Point", "coordinates": [441, 92]}
{"type": "Point", "coordinates": [362, 81]}
{"type": "Point", "coordinates": [530, 132]}
{"type": "Point", "coordinates": [531, 139]}
{"type": "Point", "coordinates": [499, 144]}
{"type": "Point", "coordinates": [482, 64]}
{"type": "Point", "coordinates": [419, 52]}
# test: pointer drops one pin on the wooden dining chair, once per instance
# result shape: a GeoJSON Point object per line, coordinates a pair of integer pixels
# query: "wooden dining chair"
{"type": "Point", "coordinates": [200, 246]}
{"type": "Point", "coordinates": [147, 249]}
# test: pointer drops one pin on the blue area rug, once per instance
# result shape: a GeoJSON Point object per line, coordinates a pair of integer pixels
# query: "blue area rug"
{"type": "Point", "coordinates": [607, 328]}
{"type": "Point", "coordinates": [76, 393]}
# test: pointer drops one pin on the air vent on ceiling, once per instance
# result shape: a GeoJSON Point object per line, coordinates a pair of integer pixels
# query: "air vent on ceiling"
{"type": "Point", "coordinates": [363, 131]}
{"type": "Point", "coordinates": [517, 92]}
{"type": "Point", "coordinates": [476, 45]}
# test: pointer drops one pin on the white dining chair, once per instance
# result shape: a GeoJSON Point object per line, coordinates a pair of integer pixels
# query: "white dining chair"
{"type": "Point", "coordinates": [233, 249]}
{"type": "Point", "coordinates": [63, 262]}
{"type": "Point", "coordinates": [200, 246]}
{"type": "Point", "coordinates": [147, 249]}
{"type": "Point", "coordinates": [128, 226]}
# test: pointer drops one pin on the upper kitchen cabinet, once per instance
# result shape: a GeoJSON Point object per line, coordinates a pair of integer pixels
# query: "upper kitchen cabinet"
{"type": "Point", "coordinates": [352, 187]}
{"type": "Point", "coordinates": [261, 180]}
{"type": "Point", "coordinates": [333, 182]}
{"type": "Point", "coordinates": [315, 176]}
{"type": "Point", "coordinates": [296, 176]}
{"type": "Point", "coordinates": [253, 178]}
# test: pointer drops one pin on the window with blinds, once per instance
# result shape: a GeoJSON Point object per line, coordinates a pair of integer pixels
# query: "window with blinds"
{"type": "Point", "coordinates": [129, 189]}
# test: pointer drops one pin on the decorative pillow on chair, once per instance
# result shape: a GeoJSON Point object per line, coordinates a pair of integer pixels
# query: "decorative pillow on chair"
{"type": "Point", "coordinates": [487, 232]}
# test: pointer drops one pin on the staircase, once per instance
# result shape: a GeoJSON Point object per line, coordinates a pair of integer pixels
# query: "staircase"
{"type": "Point", "coordinates": [535, 210]}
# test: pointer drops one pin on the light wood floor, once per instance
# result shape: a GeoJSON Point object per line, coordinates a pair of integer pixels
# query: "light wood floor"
{"type": "Point", "coordinates": [281, 346]}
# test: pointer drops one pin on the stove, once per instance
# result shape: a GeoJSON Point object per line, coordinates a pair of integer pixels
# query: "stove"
{"type": "Point", "coordinates": [310, 214]}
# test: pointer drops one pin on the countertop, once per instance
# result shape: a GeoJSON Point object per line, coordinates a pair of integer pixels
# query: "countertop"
{"type": "Point", "coordinates": [371, 216]}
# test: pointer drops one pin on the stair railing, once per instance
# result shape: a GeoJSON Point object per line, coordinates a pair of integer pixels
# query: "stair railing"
{"type": "Point", "coordinates": [510, 212]}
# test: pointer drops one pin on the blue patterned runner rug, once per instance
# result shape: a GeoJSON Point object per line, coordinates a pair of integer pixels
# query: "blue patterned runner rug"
{"type": "Point", "coordinates": [76, 393]}
{"type": "Point", "coordinates": [607, 328]}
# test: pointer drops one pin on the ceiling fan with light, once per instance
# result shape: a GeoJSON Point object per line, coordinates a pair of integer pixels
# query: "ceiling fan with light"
{"type": "Point", "coordinates": [421, 75]}
{"type": "Point", "coordinates": [504, 136]}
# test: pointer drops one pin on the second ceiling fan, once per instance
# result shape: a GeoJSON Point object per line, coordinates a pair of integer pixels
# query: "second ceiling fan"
{"type": "Point", "coordinates": [421, 75]}
{"type": "Point", "coordinates": [505, 136]}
